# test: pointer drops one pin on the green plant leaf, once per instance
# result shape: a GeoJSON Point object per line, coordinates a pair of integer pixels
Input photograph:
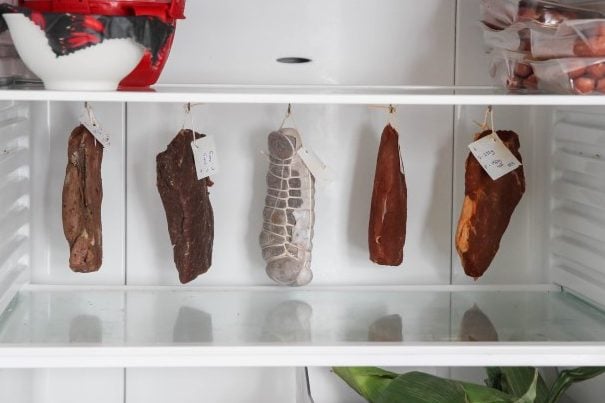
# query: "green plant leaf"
{"type": "Point", "coordinates": [569, 377]}
{"type": "Point", "coordinates": [530, 395]}
{"type": "Point", "coordinates": [522, 383]}
{"type": "Point", "coordinates": [516, 381]}
{"type": "Point", "coordinates": [418, 387]}
{"type": "Point", "coordinates": [369, 382]}
{"type": "Point", "coordinates": [483, 394]}
{"type": "Point", "coordinates": [379, 386]}
{"type": "Point", "coordinates": [519, 380]}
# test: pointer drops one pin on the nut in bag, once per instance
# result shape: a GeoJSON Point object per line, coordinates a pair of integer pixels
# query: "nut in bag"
{"type": "Point", "coordinates": [583, 38]}
{"type": "Point", "coordinates": [572, 75]}
{"type": "Point", "coordinates": [513, 70]}
{"type": "Point", "coordinates": [499, 14]}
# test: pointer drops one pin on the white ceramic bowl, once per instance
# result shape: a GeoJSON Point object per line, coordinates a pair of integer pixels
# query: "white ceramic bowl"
{"type": "Point", "coordinates": [97, 68]}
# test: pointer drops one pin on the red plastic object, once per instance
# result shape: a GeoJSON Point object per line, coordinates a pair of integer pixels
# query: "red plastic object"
{"type": "Point", "coordinates": [145, 74]}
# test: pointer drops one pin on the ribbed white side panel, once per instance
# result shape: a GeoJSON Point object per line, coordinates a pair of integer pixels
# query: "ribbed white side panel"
{"type": "Point", "coordinates": [14, 198]}
{"type": "Point", "coordinates": [578, 210]}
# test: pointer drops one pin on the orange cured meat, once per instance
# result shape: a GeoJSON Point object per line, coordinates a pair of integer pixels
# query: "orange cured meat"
{"type": "Point", "coordinates": [487, 209]}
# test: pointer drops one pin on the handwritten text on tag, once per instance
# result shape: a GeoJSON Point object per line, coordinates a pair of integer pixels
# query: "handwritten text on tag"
{"type": "Point", "coordinates": [205, 155]}
{"type": "Point", "coordinates": [494, 156]}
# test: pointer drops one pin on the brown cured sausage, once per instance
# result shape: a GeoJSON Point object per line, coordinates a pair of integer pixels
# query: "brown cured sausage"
{"type": "Point", "coordinates": [487, 209]}
{"type": "Point", "coordinates": [388, 214]}
{"type": "Point", "coordinates": [187, 205]}
{"type": "Point", "coordinates": [82, 197]}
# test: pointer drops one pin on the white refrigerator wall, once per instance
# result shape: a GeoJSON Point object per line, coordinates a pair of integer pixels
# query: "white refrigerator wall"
{"type": "Point", "coordinates": [392, 42]}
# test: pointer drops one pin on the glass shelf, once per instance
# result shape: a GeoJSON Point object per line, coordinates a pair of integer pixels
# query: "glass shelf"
{"type": "Point", "coordinates": [66, 327]}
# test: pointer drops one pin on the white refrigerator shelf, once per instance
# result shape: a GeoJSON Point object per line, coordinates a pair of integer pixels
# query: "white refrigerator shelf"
{"type": "Point", "coordinates": [58, 327]}
{"type": "Point", "coordinates": [304, 94]}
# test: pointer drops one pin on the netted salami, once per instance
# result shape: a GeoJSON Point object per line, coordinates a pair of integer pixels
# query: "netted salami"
{"type": "Point", "coordinates": [288, 216]}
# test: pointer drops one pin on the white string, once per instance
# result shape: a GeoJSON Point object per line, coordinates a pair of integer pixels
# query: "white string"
{"type": "Point", "coordinates": [495, 136]}
{"type": "Point", "coordinates": [189, 119]}
{"type": "Point", "coordinates": [289, 115]}
{"type": "Point", "coordinates": [391, 110]}
{"type": "Point", "coordinates": [492, 119]}
{"type": "Point", "coordinates": [392, 116]}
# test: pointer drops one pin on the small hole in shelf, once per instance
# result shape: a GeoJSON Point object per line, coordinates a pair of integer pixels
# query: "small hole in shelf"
{"type": "Point", "coordinates": [293, 60]}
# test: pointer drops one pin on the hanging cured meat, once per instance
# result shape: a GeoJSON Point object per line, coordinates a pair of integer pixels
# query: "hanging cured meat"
{"type": "Point", "coordinates": [487, 209]}
{"type": "Point", "coordinates": [82, 197]}
{"type": "Point", "coordinates": [187, 205]}
{"type": "Point", "coordinates": [388, 214]}
{"type": "Point", "coordinates": [288, 216]}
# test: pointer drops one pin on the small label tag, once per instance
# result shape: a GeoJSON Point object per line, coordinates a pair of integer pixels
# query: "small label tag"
{"type": "Point", "coordinates": [494, 156]}
{"type": "Point", "coordinates": [318, 169]}
{"type": "Point", "coordinates": [206, 157]}
{"type": "Point", "coordinates": [91, 124]}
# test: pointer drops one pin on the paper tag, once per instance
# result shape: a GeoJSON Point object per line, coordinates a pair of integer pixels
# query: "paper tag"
{"type": "Point", "coordinates": [494, 156]}
{"type": "Point", "coordinates": [206, 157]}
{"type": "Point", "coordinates": [318, 169]}
{"type": "Point", "coordinates": [95, 129]}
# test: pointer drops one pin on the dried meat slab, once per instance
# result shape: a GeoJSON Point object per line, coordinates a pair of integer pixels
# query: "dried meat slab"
{"type": "Point", "coordinates": [82, 197]}
{"type": "Point", "coordinates": [187, 205]}
{"type": "Point", "coordinates": [389, 211]}
{"type": "Point", "coordinates": [288, 216]}
{"type": "Point", "coordinates": [487, 209]}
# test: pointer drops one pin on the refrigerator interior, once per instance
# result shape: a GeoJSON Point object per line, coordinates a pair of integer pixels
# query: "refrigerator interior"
{"type": "Point", "coordinates": [553, 242]}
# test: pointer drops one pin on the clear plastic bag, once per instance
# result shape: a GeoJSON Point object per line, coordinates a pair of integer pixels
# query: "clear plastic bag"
{"type": "Point", "coordinates": [513, 70]}
{"type": "Point", "coordinates": [572, 75]}
{"type": "Point", "coordinates": [582, 38]}
{"type": "Point", "coordinates": [516, 38]}
{"type": "Point", "coordinates": [499, 14]}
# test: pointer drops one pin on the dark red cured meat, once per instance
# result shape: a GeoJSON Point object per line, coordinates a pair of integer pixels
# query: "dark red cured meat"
{"type": "Point", "coordinates": [187, 205]}
{"type": "Point", "coordinates": [82, 197]}
{"type": "Point", "coordinates": [388, 214]}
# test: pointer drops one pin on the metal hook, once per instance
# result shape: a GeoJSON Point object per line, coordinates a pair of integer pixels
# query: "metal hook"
{"type": "Point", "coordinates": [289, 111]}
{"type": "Point", "coordinates": [392, 109]}
{"type": "Point", "coordinates": [188, 107]}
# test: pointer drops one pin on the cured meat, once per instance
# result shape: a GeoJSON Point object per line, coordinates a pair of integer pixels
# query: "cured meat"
{"type": "Point", "coordinates": [388, 214]}
{"type": "Point", "coordinates": [187, 205]}
{"type": "Point", "coordinates": [81, 205]}
{"type": "Point", "coordinates": [487, 209]}
{"type": "Point", "coordinates": [288, 217]}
